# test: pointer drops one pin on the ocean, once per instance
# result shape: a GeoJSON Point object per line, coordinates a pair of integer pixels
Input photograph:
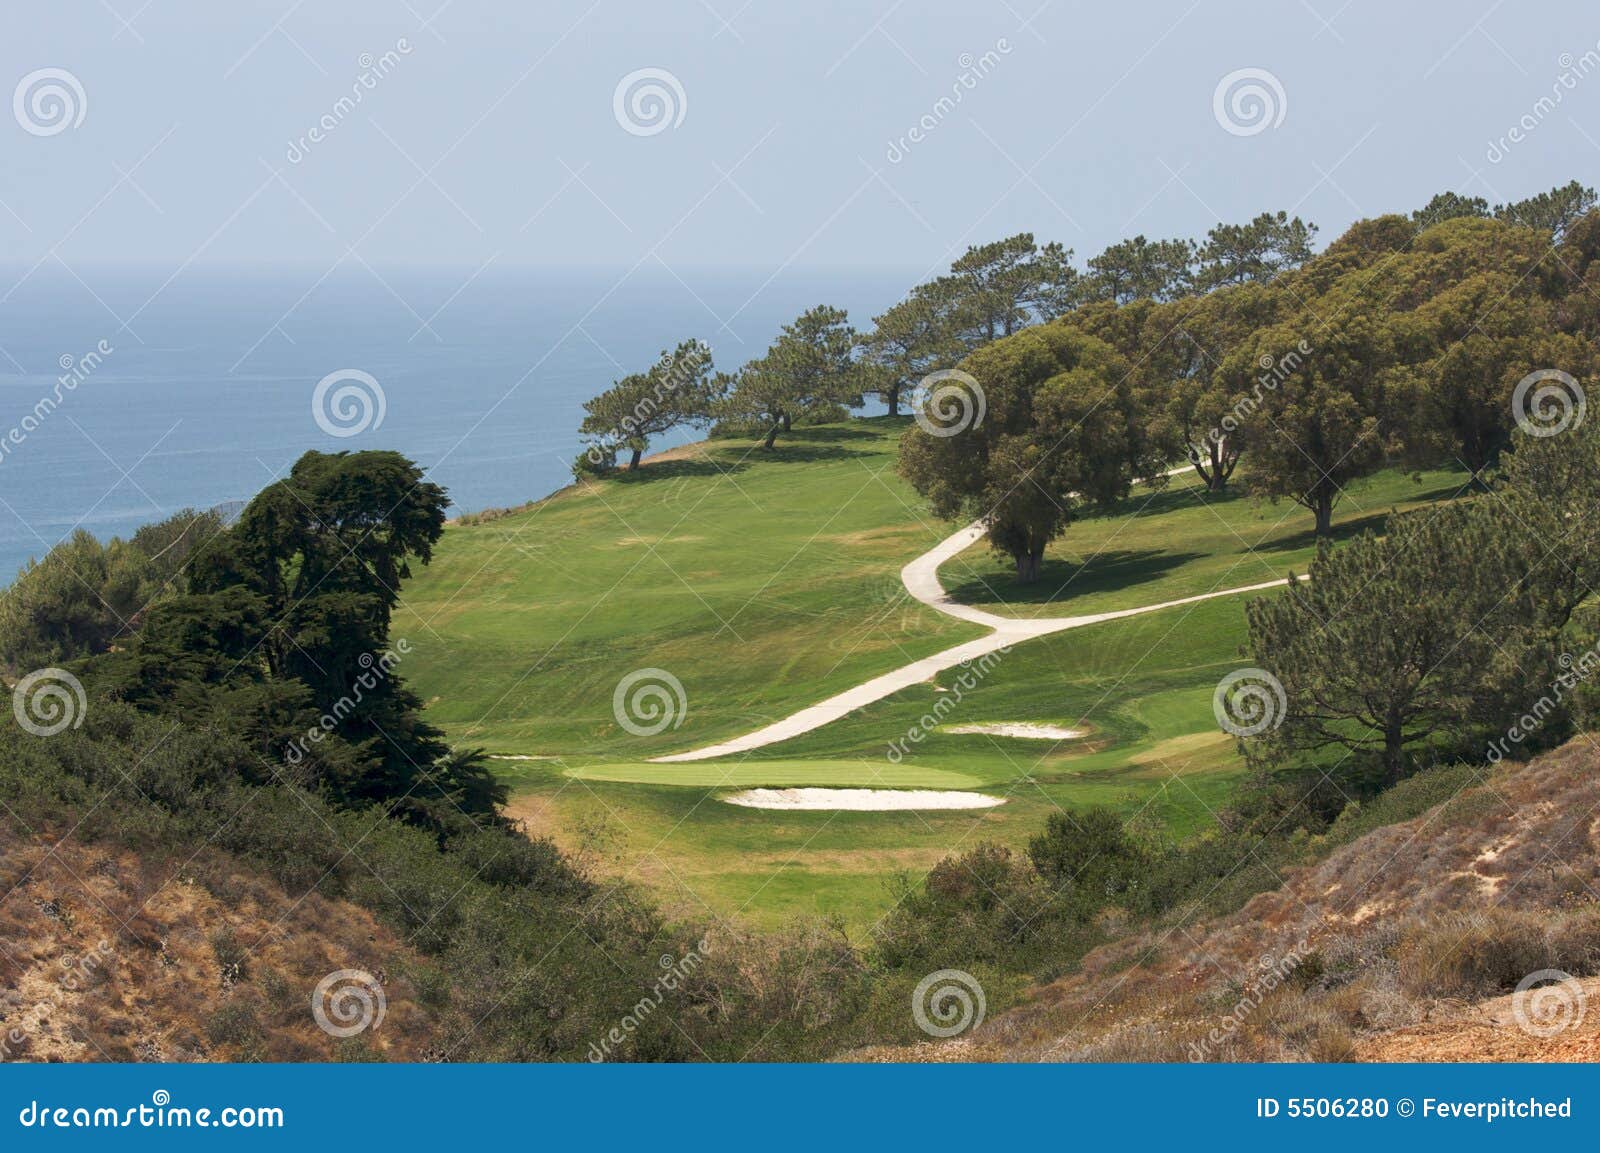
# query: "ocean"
{"type": "Point", "coordinates": [129, 393]}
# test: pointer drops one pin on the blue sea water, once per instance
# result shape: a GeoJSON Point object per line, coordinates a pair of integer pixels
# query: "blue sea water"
{"type": "Point", "coordinates": [204, 394]}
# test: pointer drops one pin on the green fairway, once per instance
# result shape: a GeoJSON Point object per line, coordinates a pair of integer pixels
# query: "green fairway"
{"type": "Point", "coordinates": [762, 581]}
{"type": "Point", "coordinates": [844, 773]}
{"type": "Point", "coordinates": [1180, 542]}
{"type": "Point", "coordinates": [767, 582]}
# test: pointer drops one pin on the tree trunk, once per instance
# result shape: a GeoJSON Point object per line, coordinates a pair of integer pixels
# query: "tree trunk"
{"type": "Point", "coordinates": [893, 397]}
{"type": "Point", "coordinates": [633, 461]}
{"type": "Point", "coordinates": [783, 419]}
{"type": "Point", "coordinates": [1322, 508]}
{"type": "Point", "coordinates": [1028, 564]}
{"type": "Point", "coordinates": [1394, 757]}
{"type": "Point", "coordinates": [1222, 465]}
{"type": "Point", "coordinates": [772, 435]}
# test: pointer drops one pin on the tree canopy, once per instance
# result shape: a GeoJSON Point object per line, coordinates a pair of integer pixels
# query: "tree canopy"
{"type": "Point", "coordinates": [283, 639]}
{"type": "Point", "coordinates": [810, 367]}
{"type": "Point", "coordinates": [1054, 425]}
{"type": "Point", "coordinates": [676, 390]}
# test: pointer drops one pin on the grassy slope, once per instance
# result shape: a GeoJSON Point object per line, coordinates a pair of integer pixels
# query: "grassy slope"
{"type": "Point", "coordinates": [1181, 542]}
{"type": "Point", "coordinates": [763, 582]}
{"type": "Point", "coordinates": [799, 556]}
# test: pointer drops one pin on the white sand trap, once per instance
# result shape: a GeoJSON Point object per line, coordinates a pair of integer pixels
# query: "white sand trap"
{"type": "Point", "coordinates": [1025, 730]}
{"type": "Point", "coordinates": [861, 800]}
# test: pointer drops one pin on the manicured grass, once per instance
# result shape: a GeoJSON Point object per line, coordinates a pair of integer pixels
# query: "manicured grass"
{"type": "Point", "coordinates": [766, 583]}
{"type": "Point", "coordinates": [1142, 687]}
{"type": "Point", "coordinates": [733, 774]}
{"type": "Point", "coordinates": [762, 581]}
{"type": "Point", "coordinates": [1183, 541]}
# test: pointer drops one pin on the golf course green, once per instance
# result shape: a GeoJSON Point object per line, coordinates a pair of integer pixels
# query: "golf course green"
{"type": "Point", "coordinates": [765, 582]}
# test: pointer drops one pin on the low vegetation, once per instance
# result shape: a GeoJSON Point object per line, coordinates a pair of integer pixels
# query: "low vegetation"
{"type": "Point", "coordinates": [303, 706]}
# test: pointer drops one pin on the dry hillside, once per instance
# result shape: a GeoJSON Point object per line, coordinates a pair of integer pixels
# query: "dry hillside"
{"type": "Point", "coordinates": [107, 956]}
{"type": "Point", "coordinates": [1407, 944]}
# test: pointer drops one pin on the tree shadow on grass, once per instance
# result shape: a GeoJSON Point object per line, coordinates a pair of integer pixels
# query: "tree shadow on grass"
{"type": "Point", "coordinates": [1061, 580]}
{"type": "Point", "coordinates": [1173, 498]}
{"type": "Point", "coordinates": [1374, 521]}
{"type": "Point", "coordinates": [729, 455]}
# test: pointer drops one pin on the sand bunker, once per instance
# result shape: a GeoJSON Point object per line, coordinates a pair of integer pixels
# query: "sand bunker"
{"type": "Point", "coordinates": [1023, 729]}
{"type": "Point", "coordinates": [861, 800]}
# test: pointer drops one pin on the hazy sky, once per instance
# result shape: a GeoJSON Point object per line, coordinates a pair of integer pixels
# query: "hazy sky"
{"type": "Point", "coordinates": [493, 135]}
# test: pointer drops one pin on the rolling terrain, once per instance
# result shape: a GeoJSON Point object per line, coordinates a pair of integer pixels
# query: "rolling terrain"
{"type": "Point", "coordinates": [765, 583]}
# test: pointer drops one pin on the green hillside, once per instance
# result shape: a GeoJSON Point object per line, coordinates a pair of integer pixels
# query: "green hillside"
{"type": "Point", "coordinates": [766, 583]}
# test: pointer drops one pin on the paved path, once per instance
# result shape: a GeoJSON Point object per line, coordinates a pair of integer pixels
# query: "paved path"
{"type": "Point", "coordinates": [921, 578]}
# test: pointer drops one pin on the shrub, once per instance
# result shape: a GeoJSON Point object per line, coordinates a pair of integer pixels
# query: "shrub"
{"type": "Point", "coordinates": [1471, 955]}
{"type": "Point", "coordinates": [595, 461]}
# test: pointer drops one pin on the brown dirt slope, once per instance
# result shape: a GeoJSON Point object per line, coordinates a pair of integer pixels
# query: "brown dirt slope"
{"type": "Point", "coordinates": [107, 956]}
{"type": "Point", "coordinates": [1407, 944]}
